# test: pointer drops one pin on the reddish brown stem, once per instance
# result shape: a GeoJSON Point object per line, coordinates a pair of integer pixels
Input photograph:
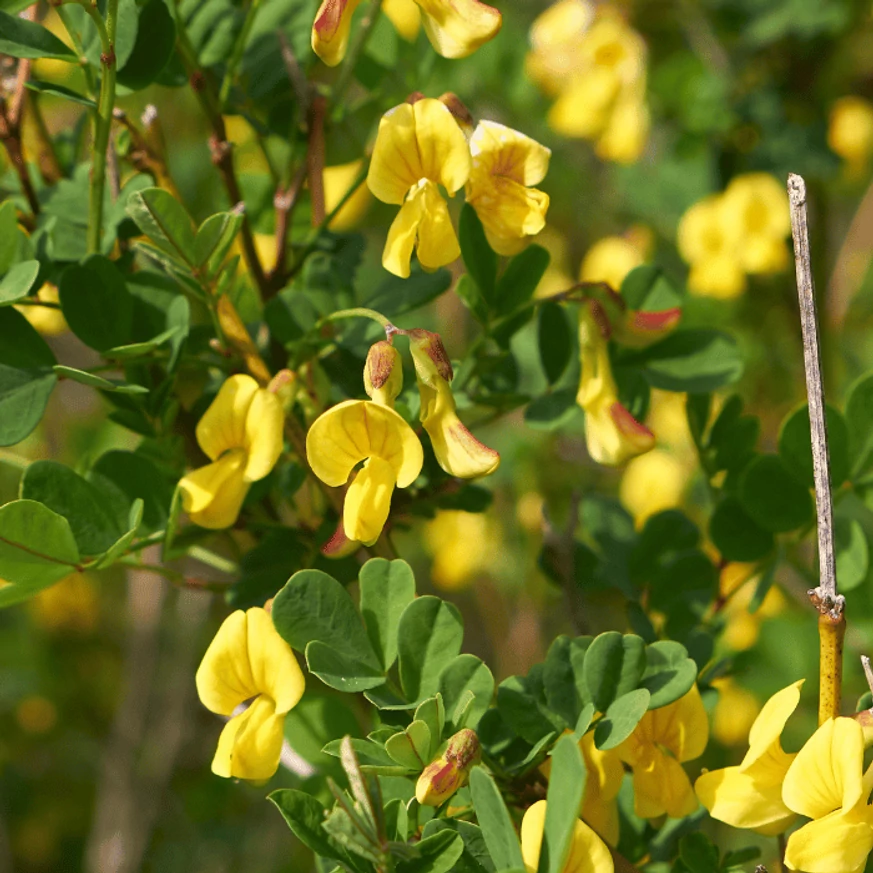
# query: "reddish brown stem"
{"type": "Point", "coordinates": [315, 158]}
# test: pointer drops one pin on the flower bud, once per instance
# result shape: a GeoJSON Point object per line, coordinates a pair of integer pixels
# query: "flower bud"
{"type": "Point", "coordinates": [459, 110]}
{"type": "Point", "coordinates": [449, 772]}
{"type": "Point", "coordinates": [383, 373]}
{"type": "Point", "coordinates": [865, 719]}
{"type": "Point", "coordinates": [430, 357]}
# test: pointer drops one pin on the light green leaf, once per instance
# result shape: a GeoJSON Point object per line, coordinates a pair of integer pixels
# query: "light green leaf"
{"type": "Point", "coordinates": [462, 676]}
{"type": "Point", "coordinates": [95, 381]}
{"type": "Point", "coordinates": [493, 818]}
{"type": "Point", "coordinates": [165, 222]}
{"type": "Point", "coordinates": [387, 588]}
{"type": "Point", "coordinates": [614, 665]}
{"type": "Point", "coordinates": [18, 281]}
{"type": "Point", "coordinates": [564, 797]}
{"type": "Point", "coordinates": [20, 38]}
{"type": "Point", "coordinates": [621, 718]}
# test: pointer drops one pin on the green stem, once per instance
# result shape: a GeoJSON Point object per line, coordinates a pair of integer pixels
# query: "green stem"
{"type": "Point", "coordinates": [358, 312]}
{"type": "Point", "coordinates": [236, 56]}
{"type": "Point", "coordinates": [102, 128]}
{"type": "Point", "coordinates": [205, 556]}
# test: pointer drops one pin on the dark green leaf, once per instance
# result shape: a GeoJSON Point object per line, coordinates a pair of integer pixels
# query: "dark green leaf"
{"type": "Point", "coordinates": [387, 588]}
{"type": "Point", "coordinates": [341, 670]}
{"type": "Point", "coordinates": [153, 48]}
{"type": "Point", "coordinates": [560, 681]}
{"type": "Point", "coordinates": [479, 258]}
{"type": "Point", "coordinates": [120, 547]}
{"type": "Point", "coordinates": [493, 818]}
{"type": "Point", "coordinates": [733, 436]}
{"type": "Point", "coordinates": [520, 279]}
{"type": "Point", "coordinates": [859, 419]}
{"type": "Point", "coordinates": [646, 289]}
{"type": "Point", "coordinates": [773, 497]}
{"type": "Point", "coordinates": [553, 410]}
{"type": "Point", "coordinates": [305, 816]}
{"type": "Point", "coordinates": [614, 665]}
{"type": "Point", "coordinates": [395, 296]}
{"type": "Point", "coordinates": [795, 445]}
{"type": "Point", "coordinates": [736, 535]}
{"type": "Point", "coordinates": [472, 297]}
{"type": "Point", "coordinates": [555, 340]}
{"type": "Point", "coordinates": [164, 221]}
{"type": "Point", "coordinates": [691, 360]}
{"type": "Point", "coordinates": [852, 551]}
{"type": "Point", "coordinates": [670, 673]}
{"type": "Point", "coordinates": [698, 854]}
{"type": "Point", "coordinates": [55, 90]}
{"type": "Point", "coordinates": [95, 381]}
{"type": "Point", "coordinates": [564, 797]}
{"type": "Point", "coordinates": [18, 281]}
{"type": "Point", "coordinates": [21, 38]}
{"type": "Point", "coordinates": [429, 636]}
{"type": "Point", "coordinates": [214, 239]}
{"type": "Point", "coordinates": [434, 854]}
{"type": "Point", "coordinates": [621, 718]}
{"type": "Point", "coordinates": [462, 676]}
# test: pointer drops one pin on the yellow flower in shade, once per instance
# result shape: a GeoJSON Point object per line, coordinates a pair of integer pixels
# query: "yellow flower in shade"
{"type": "Point", "coordinates": [735, 712]}
{"type": "Point", "coordinates": [556, 39]}
{"type": "Point", "coordinates": [850, 131]}
{"type": "Point", "coordinates": [588, 853]}
{"type": "Point", "coordinates": [624, 138]}
{"type": "Point", "coordinates": [709, 241]}
{"type": "Point", "coordinates": [758, 206]}
{"type": "Point", "coordinates": [248, 660]}
{"type": "Point", "coordinates": [506, 164]}
{"type": "Point", "coordinates": [463, 545]}
{"type": "Point", "coordinates": [241, 433]}
{"type": "Point", "coordinates": [612, 434]}
{"type": "Point", "coordinates": [338, 180]}
{"type": "Point", "coordinates": [405, 16]}
{"type": "Point", "coordinates": [419, 147]}
{"type": "Point", "coordinates": [827, 783]}
{"type": "Point", "coordinates": [610, 259]}
{"type": "Point", "coordinates": [660, 743]}
{"type": "Point", "coordinates": [750, 795]}
{"type": "Point", "coordinates": [653, 482]}
{"type": "Point", "coordinates": [457, 451]}
{"type": "Point", "coordinates": [47, 320]}
{"type": "Point", "coordinates": [742, 627]}
{"type": "Point", "coordinates": [71, 605]}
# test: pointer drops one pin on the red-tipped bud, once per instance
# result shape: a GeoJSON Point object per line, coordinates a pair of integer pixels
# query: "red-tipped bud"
{"type": "Point", "coordinates": [383, 373]}
{"type": "Point", "coordinates": [444, 776]}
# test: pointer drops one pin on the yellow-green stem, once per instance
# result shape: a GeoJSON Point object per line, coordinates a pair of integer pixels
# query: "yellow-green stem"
{"type": "Point", "coordinates": [831, 633]}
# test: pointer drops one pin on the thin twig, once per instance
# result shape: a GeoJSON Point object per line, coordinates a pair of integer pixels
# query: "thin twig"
{"type": "Point", "coordinates": [868, 671]}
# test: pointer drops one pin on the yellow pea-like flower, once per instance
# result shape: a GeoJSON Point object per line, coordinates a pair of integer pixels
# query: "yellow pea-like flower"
{"type": "Point", "coordinates": [457, 451]}
{"type": "Point", "coordinates": [241, 433]}
{"type": "Point", "coordinates": [850, 131]}
{"type": "Point", "coordinates": [556, 38]}
{"type": "Point", "coordinates": [750, 795]}
{"type": "Point", "coordinates": [610, 259]}
{"type": "Point", "coordinates": [356, 431]}
{"type": "Point", "coordinates": [662, 740]}
{"type": "Point", "coordinates": [47, 320]}
{"type": "Point", "coordinates": [506, 164]}
{"type": "Point", "coordinates": [330, 31]}
{"type": "Point", "coordinates": [612, 434]}
{"type": "Point", "coordinates": [405, 15]}
{"type": "Point", "coordinates": [419, 147]}
{"type": "Point", "coordinates": [588, 853]}
{"type": "Point", "coordinates": [248, 660]}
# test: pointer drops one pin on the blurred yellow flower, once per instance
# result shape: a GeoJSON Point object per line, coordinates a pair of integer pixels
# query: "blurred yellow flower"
{"type": "Point", "coordinates": [557, 276]}
{"type": "Point", "coordinates": [556, 39]}
{"type": "Point", "coordinates": [418, 147]}
{"type": "Point", "coordinates": [338, 180]}
{"type": "Point", "coordinates": [652, 483]}
{"type": "Point", "coordinates": [737, 583]}
{"type": "Point", "coordinates": [248, 659]}
{"type": "Point", "coordinates": [70, 605]}
{"type": "Point", "coordinates": [463, 545]}
{"type": "Point", "coordinates": [655, 751]}
{"type": "Point", "coordinates": [48, 320]}
{"type": "Point", "coordinates": [612, 434]}
{"type": "Point", "coordinates": [457, 451]}
{"type": "Point", "coordinates": [36, 714]}
{"type": "Point", "coordinates": [610, 259]}
{"type": "Point", "coordinates": [735, 712]}
{"type": "Point", "coordinates": [750, 795]}
{"type": "Point", "coordinates": [241, 433]}
{"type": "Point", "coordinates": [506, 164]}
{"type": "Point", "coordinates": [405, 16]}
{"type": "Point", "coordinates": [588, 853]}
{"type": "Point", "coordinates": [850, 131]}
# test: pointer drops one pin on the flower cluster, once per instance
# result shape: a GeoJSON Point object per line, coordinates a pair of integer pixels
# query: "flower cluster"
{"type": "Point", "coordinates": [594, 63]}
{"type": "Point", "coordinates": [726, 236]}
{"type": "Point", "coordinates": [372, 432]}
{"type": "Point", "coordinates": [421, 145]}
{"type": "Point", "coordinates": [455, 28]}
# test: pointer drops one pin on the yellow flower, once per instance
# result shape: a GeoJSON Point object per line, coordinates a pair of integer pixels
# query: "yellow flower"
{"type": "Point", "coordinates": [709, 241]}
{"type": "Point", "coordinates": [330, 30]}
{"type": "Point", "coordinates": [556, 38]}
{"type": "Point", "coordinates": [758, 206]}
{"type": "Point", "coordinates": [662, 740]}
{"type": "Point", "coordinates": [750, 795]}
{"type": "Point", "coordinates": [826, 782]}
{"type": "Point", "coordinates": [457, 451]}
{"type": "Point", "coordinates": [626, 133]}
{"type": "Point", "coordinates": [612, 434]}
{"type": "Point", "coordinates": [735, 712]}
{"type": "Point", "coordinates": [610, 259]}
{"type": "Point", "coordinates": [850, 131]}
{"type": "Point", "coordinates": [70, 605]}
{"type": "Point", "coordinates": [418, 147]}
{"type": "Point", "coordinates": [506, 164]}
{"type": "Point", "coordinates": [338, 180]}
{"type": "Point", "coordinates": [248, 659]}
{"type": "Point", "coordinates": [405, 16]}
{"type": "Point", "coordinates": [463, 544]}
{"type": "Point", "coordinates": [653, 482]}
{"type": "Point", "coordinates": [241, 433]}
{"type": "Point", "coordinates": [47, 320]}
{"type": "Point", "coordinates": [588, 853]}
{"type": "Point", "coordinates": [361, 430]}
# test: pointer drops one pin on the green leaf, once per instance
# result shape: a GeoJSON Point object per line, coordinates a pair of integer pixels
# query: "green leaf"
{"type": "Point", "coordinates": [387, 588]}
{"type": "Point", "coordinates": [733, 436]}
{"type": "Point", "coordinates": [18, 281]}
{"type": "Point", "coordinates": [560, 681]}
{"type": "Point", "coordinates": [795, 445]}
{"type": "Point", "coordinates": [433, 713]}
{"type": "Point", "coordinates": [164, 221]}
{"type": "Point", "coordinates": [37, 549]}
{"type": "Point", "coordinates": [26, 377]}
{"type": "Point", "coordinates": [55, 90]}
{"type": "Point", "coordinates": [125, 32]}
{"type": "Point", "coordinates": [153, 48]}
{"type": "Point", "coordinates": [493, 818]}
{"type": "Point", "coordinates": [697, 410]}
{"type": "Point", "coordinates": [691, 360]}
{"type": "Point", "coordinates": [773, 497]}
{"type": "Point", "coordinates": [646, 289]}
{"type": "Point", "coordinates": [95, 381]}
{"type": "Point", "coordinates": [564, 797]}
{"type": "Point", "coordinates": [429, 636]}
{"type": "Point", "coordinates": [852, 552]}
{"type": "Point", "coordinates": [520, 279]}
{"type": "Point", "coordinates": [9, 235]}
{"type": "Point", "coordinates": [620, 719]}
{"type": "Point", "coordinates": [341, 670]}
{"type": "Point", "coordinates": [670, 673]}
{"type": "Point", "coordinates": [479, 258]}
{"type": "Point", "coordinates": [614, 665]}
{"type": "Point", "coordinates": [472, 297]}
{"type": "Point", "coordinates": [522, 704]}
{"type": "Point", "coordinates": [434, 854]}
{"type": "Point", "coordinates": [305, 814]}
{"type": "Point", "coordinates": [461, 677]}
{"type": "Point", "coordinates": [214, 239]}
{"type": "Point", "coordinates": [555, 340]}
{"type": "Point", "coordinates": [96, 303]}
{"type": "Point", "coordinates": [122, 544]}
{"type": "Point", "coordinates": [21, 38]}
{"type": "Point", "coordinates": [736, 535]}
{"type": "Point", "coordinates": [136, 478]}
{"type": "Point", "coordinates": [859, 419]}
{"type": "Point", "coordinates": [411, 747]}
{"type": "Point", "coordinates": [698, 854]}
{"type": "Point", "coordinates": [475, 858]}
{"type": "Point", "coordinates": [137, 350]}
{"type": "Point", "coordinates": [63, 491]}
{"type": "Point", "coordinates": [553, 410]}
{"type": "Point", "coordinates": [395, 296]}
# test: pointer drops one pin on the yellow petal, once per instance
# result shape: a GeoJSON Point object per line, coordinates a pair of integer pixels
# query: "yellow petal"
{"type": "Point", "coordinates": [251, 743]}
{"type": "Point", "coordinates": [764, 737]}
{"type": "Point", "coordinates": [338, 181]}
{"type": "Point", "coordinates": [502, 151]}
{"type": "Point", "coordinates": [721, 278]}
{"type": "Point", "coordinates": [837, 843]}
{"type": "Point", "coordinates": [405, 16]}
{"type": "Point", "coordinates": [330, 31]}
{"type": "Point", "coordinates": [437, 242]}
{"type": "Point", "coordinates": [510, 213]}
{"type": "Point", "coordinates": [605, 775]}
{"type": "Point", "coordinates": [368, 501]}
{"type": "Point", "coordinates": [828, 771]}
{"type": "Point", "coordinates": [400, 242]}
{"type": "Point", "coordinates": [264, 441]}
{"type": "Point", "coordinates": [224, 678]}
{"type": "Point", "coordinates": [612, 434]}
{"type": "Point", "coordinates": [850, 129]}
{"type": "Point", "coordinates": [355, 430]}
{"type": "Point", "coordinates": [583, 109]}
{"type": "Point", "coordinates": [456, 28]}
{"type": "Point", "coordinates": [758, 204]}
{"type": "Point", "coordinates": [609, 260]}
{"type": "Point", "coordinates": [588, 853]}
{"type": "Point", "coordinates": [626, 133]}
{"type": "Point", "coordinates": [457, 451]}
{"type": "Point", "coordinates": [213, 495]}
{"type": "Point", "coordinates": [223, 425]}
{"type": "Point", "coordinates": [274, 668]}
{"type": "Point", "coordinates": [661, 786]}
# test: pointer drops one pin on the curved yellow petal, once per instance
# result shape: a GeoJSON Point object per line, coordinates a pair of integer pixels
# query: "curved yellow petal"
{"type": "Point", "coordinates": [661, 786]}
{"type": "Point", "coordinates": [457, 451]}
{"type": "Point", "coordinates": [402, 235]}
{"type": "Point", "coordinates": [768, 726]}
{"type": "Point", "coordinates": [499, 150]}
{"type": "Point", "coordinates": [213, 495]}
{"type": "Point", "coordinates": [354, 430]}
{"type": "Point", "coordinates": [251, 743]}
{"type": "Point", "coordinates": [827, 773]}
{"type": "Point", "coordinates": [442, 146]}
{"type": "Point", "coordinates": [745, 800]}
{"type": "Point", "coordinates": [510, 213]}
{"type": "Point", "coordinates": [368, 501]}
{"type": "Point", "coordinates": [605, 775]}
{"type": "Point", "coordinates": [224, 678]}
{"type": "Point", "coordinates": [588, 853]}
{"type": "Point", "coordinates": [626, 133]}
{"type": "Point", "coordinates": [223, 425]}
{"type": "Point", "coordinates": [456, 28]}
{"type": "Point", "coordinates": [274, 668]}
{"type": "Point", "coordinates": [330, 31]}
{"type": "Point", "coordinates": [405, 16]}
{"type": "Point", "coordinates": [838, 843]}
{"type": "Point", "coordinates": [583, 108]}
{"type": "Point", "coordinates": [264, 441]}
{"type": "Point", "coordinates": [437, 242]}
